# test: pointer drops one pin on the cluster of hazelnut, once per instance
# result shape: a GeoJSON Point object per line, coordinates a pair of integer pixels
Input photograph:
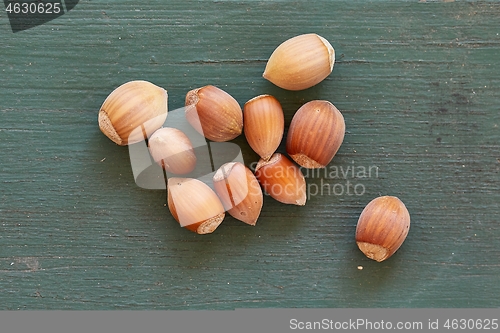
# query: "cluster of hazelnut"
{"type": "Point", "coordinates": [314, 137]}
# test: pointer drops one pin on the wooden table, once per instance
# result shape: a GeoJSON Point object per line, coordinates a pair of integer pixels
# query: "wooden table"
{"type": "Point", "coordinates": [418, 85]}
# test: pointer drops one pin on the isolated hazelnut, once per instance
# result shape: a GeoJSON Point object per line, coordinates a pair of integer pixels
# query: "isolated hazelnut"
{"type": "Point", "coordinates": [194, 205]}
{"type": "Point", "coordinates": [132, 112]}
{"type": "Point", "coordinates": [214, 113]}
{"type": "Point", "coordinates": [300, 62]}
{"type": "Point", "coordinates": [172, 150]}
{"type": "Point", "coordinates": [239, 192]}
{"type": "Point", "coordinates": [263, 124]}
{"type": "Point", "coordinates": [382, 227]}
{"type": "Point", "coordinates": [315, 134]}
{"type": "Point", "coordinates": [282, 180]}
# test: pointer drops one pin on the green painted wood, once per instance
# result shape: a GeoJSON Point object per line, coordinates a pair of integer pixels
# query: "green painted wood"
{"type": "Point", "coordinates": [416, 81]}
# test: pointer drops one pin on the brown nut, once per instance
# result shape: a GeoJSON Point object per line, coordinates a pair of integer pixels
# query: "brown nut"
{"type": "Point", "coordinates": [263, 124]}
{"type": "Point", "coordinates": [300, 62]}
{"type": "Point", "coordinates": [194, 205]}
{"type": "Point", "coordinates": [315, 134]}
{"type": "Point", "coordinates": [172, 150]}
{"type": "Point", "coordinates": [382, 227]}
{"type": "Point", "coordinates": [239, 192]}
{"type": "Point", "coordinates": [132, 112]}
{"type": "Point", "coordinates": [214, 113]}
{"type": "Point", "coordinates": [282, 180]}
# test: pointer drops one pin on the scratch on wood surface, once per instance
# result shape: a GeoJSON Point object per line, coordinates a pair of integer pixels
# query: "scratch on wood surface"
{"type": "Point", "coordinates": [28, 130]}
{"type": "Point", "coordinates": [31, 263]}
{"type": "Point", "coordinates": [224, 61]}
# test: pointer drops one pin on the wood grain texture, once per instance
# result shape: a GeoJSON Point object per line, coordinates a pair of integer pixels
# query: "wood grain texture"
{"type": "Point", "coordinates": [417, 83]}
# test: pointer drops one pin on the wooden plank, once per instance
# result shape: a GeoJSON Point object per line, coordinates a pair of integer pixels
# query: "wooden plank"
{"type": "Point", "coordinates": [417, 83]}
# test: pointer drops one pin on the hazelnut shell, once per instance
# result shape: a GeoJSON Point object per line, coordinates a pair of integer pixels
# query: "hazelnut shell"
{"type": "Point", "coordinates": [263, 124]}
{"type": "Point", "coordinates": [282, 180]}
{"type": "Point", "coordinates": [382, 227]}
{"type": "Point", "coordinates": [300, 62]}
{"type": "Point", "coordinates": [239, 192]}
{"type": "Point", "coordinates": [214, 113]}
{"type": "Point", "coordinates": [172, 150]}
{"type": "Point", "coordinates": [194, 205]}
{"type": "Point", "coordinates": [132, 112]}
{"type": "Point", "coordinates": [315, 134]}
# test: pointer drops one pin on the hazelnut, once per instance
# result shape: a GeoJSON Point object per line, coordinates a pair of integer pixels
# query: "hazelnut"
{"type": "Point", "coordinates": [194, 205]}
{"type": "Point", "coordinates": [315, 134]}
{"type": "Point", "coordinates": [239, 192]}
{"type": "Point", "coordinates": [214, 113]}
{"type": "Point", "coordinates": [172, 150]}
{"type": "Point", "coordinates": [382, 227]}
{"type": "Point", "coordinates": [282, 180]}
{"type": "Point", "coordinates": [132, 112]}
{"type": "Point", "coordinates": [300, 62]}
{"type": "Point", "coordinates": [263, 124]}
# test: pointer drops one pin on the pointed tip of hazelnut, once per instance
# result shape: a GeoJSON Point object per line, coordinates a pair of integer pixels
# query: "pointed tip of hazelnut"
{"type": "Point", "coordinates": [253, 223]}
{"type": "Point", "coordinates": [269, 160]}
{"type": "Point", "coordinates": [266, 158]}
{"type": "Point", "coordinates": [374, 251]}
{"type": "Point", "coordinates": [302, 200]}
{"type": "Point", "coordinates": [243, 216]}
